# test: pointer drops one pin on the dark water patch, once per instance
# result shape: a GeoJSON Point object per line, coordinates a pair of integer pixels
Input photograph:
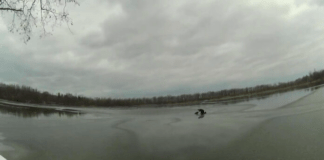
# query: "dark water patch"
{"type": "Point", "coordinates": [32, 112]}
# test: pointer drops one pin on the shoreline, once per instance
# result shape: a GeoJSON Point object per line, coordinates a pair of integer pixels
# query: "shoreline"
{"type": "Point", "coordinates": [224, 100]}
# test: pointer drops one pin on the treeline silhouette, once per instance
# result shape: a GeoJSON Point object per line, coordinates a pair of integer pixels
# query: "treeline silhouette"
{"type": "Point", "coordinates": [27, 94]}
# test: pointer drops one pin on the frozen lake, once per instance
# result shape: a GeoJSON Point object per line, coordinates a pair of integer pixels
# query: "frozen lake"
{"type": "Point", "coordinates": [254, 129]}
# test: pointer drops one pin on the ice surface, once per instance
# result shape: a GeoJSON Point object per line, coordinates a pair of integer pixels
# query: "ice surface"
{"type": "Point", "coordinates": [147, 133]}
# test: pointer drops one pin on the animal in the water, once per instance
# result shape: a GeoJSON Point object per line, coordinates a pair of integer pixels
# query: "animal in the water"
{"type": "Point", "coordinates": [200, 112]}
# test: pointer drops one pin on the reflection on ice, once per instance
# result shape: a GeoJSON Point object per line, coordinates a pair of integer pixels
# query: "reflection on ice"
{"type": "Point", "coordinates": [277, 100]}
{"type": "Point", "coordinates": [201, 116]}
{"type": "Point", "coordinates": [30, 112]}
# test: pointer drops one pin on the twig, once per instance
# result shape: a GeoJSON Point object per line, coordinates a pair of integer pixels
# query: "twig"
{"type": "Point", "coordinates": [11, 9]}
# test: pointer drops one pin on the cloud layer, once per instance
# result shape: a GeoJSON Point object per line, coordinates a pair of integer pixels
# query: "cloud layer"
{"type": "Point", "coordinates": [135, 48]}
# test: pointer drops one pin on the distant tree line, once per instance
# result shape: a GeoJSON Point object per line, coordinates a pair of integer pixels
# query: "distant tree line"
{"type": "Point", "coordinates": [27, 94]}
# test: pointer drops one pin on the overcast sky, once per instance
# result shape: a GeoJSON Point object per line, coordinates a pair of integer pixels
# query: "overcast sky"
{"type": "Point", "coordinates": [136, 48]}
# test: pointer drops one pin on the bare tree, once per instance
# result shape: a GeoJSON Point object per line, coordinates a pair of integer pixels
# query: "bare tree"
{"type": "Point", "coordinates": [27, 14]}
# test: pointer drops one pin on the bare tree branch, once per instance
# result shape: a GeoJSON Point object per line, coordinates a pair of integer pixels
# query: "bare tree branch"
{"type": "Point", "coordinates": [11, 9]}
{"type": "Point", "coordinates": [29, 15]}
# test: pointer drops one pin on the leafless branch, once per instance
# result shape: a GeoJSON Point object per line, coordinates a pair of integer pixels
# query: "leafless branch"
{"type": "Point", "coordinates": [11, 9]}
{"type": "Point", "coordinates": [28, 16]}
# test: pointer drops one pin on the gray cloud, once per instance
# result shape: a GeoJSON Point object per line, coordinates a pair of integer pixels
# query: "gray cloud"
{"type": "Point", "coordinates": [135, 48]}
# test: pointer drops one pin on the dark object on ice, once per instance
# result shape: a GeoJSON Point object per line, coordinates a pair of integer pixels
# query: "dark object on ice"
{"type": "Point", "coordinates": [200, 112]}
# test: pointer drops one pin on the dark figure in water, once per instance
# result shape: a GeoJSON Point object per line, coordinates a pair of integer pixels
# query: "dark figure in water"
{"type": "Point", "coordinates": [200, 112]}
